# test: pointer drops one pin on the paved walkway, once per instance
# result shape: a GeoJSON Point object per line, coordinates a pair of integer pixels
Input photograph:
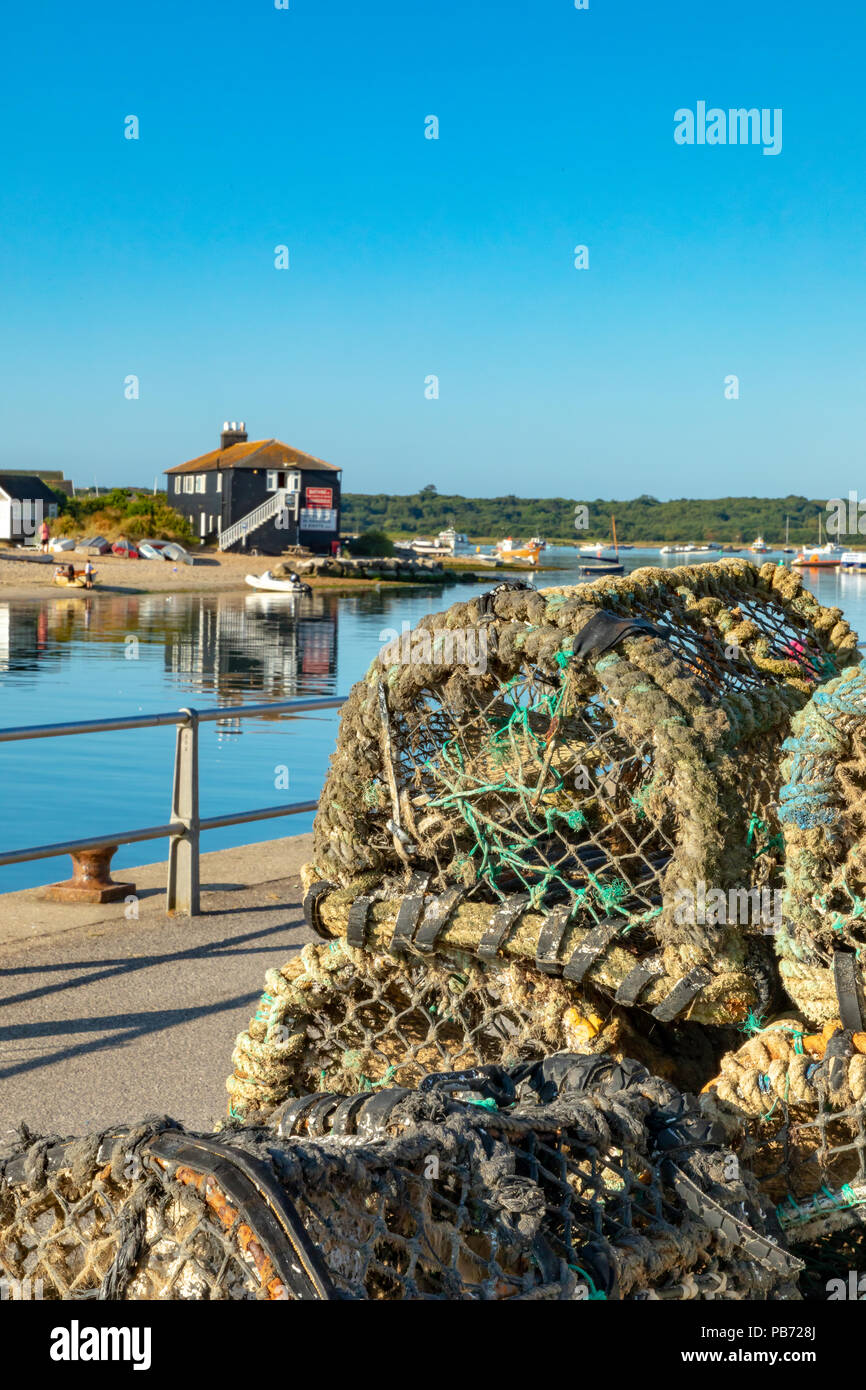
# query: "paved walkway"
{"type": "Point", "coordinates": [104, 1019]}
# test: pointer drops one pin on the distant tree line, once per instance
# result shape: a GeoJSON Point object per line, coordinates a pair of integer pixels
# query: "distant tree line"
{"type": "Point", "coordinates": [727, 519]}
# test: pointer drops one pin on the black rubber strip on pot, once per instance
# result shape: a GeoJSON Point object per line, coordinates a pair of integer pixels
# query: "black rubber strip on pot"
{"type": "Point", "coordinates": [594, 944]}
{"type": "Point", "coordinates": [606, 630]}
{"type": "Point", "coordinates": [550, 940]}
{"type": "Point", "coordinates": [501, 923]}
{"type": "Point", "coordinates": [261, 1203]}
{"type": "Point", "coordinates": [408, 914]}
{"type": "Point", "coordinates": [377, 1111]}
{"type": "Point", "coordinates": [311, 910]}
{"type": "Point", "coordinates": [356, 929]}
{"type": "Point", "coordinates": [343, 1119]}
{"type": "Point", "coordinates": [290, 1115]}
{"type": "Point", "coordinates": [636, 982]}
{"type": "Point", "coordinates": [317, 1118]}
{"type": "Point", "coordinates": [682, 994]}
{"type": "Point", "coordinates": [436, 919]}
{"type": "Point", "coordinates": [845, 981]}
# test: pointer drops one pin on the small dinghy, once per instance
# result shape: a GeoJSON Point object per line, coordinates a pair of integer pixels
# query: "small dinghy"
{"type": "Point", "coordinates": [268, 584]}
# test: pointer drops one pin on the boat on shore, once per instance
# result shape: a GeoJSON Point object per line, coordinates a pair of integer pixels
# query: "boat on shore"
{"type": "Point", "coordinates": [508, 550]}
{"type": "Point", "coordinates": [267, 583]}
{"type": "Point", "coordinates": [77, 580]}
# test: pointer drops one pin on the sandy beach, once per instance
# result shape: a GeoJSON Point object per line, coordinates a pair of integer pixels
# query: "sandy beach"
{"type": "Point", "coordinates": [30, 576]}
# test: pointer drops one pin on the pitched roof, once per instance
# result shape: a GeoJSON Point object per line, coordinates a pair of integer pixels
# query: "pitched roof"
{"type": "Point", "coordinates": [22, 489]}
{"type": "Point", "coordinates": [255, 453]}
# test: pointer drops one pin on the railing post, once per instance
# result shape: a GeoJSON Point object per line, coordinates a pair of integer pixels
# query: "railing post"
{"type": "Point", "coordinates": [183, 889]}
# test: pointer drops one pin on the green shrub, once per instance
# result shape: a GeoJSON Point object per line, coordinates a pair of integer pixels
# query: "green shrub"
{"type": "Point", "coordinates": [374, 543]}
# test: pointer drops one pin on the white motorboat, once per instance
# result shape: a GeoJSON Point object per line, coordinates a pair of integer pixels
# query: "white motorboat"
{"type": "Point", "coordinates": [452, 540]}
{"type": "Point", "coordinates": [853, 560]}
{"type": "Point", "coordinates": [268, 584]}
{"type": "Point", "coordinates": [759, 546]}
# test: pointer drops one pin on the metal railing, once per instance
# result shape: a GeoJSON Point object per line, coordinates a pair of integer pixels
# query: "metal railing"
{"type": "Point", "coordinates": [185, 826]}
{"type": "Point", "coordinates": [254, 519]}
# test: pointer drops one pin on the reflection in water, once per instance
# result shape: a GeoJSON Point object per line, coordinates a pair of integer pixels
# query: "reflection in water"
{"type": "Point", "coordinates": [276, 646]}
{"type": "Point", "coordinates": [228, 646]}
{"type": "Point", "coordinates": [71, 659]}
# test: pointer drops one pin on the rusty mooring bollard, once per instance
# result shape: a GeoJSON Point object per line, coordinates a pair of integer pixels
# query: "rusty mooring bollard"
{"type": "Point", "coordinates": [91, 881]}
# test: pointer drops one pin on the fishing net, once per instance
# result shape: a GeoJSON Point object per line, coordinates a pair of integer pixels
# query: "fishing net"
{"type": "Point", "coordinates": [823, 817]}
{"type": "Point", "coordinates": [562, 772]}
{"type": "Point", "coordinates": [573, 1178]}
{"type": "Point", "coordinates": [350, 1019]}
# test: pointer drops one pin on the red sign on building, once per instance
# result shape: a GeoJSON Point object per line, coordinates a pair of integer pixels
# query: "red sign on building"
{"type": "Point", "coordinates": [320, 497]}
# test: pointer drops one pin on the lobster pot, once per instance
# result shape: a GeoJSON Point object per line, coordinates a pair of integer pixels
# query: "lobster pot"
{"type": "Point", "coordinates": [571, 1179]}
{"type": "Point", "coordinates": [354, 1020]}
{"type": "Point", "coordinates": [796, 1103]}
{"type": "Point", "coordinates": [561, 777]}
{"type": "Point", "coordinates": [823, 817]}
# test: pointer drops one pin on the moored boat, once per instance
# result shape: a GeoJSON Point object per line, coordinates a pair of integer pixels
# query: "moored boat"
{"type": "Point", "coordinates": [452, 540]}
{"type": "Point", "coordinates": [853, 560]}
{"type": "Point", "coordinates": [596, 568]}
{"type": "Point", "coordinates": [507, 550]}
{"type": "Point", "coordinates": [816, 560]}
{"type": "Point", "coordinates": [269, 584]}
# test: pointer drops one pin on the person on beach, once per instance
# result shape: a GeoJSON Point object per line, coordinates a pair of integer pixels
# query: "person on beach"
{"type": "Point", "coordinates": [88, 575]}
{"type": "Point", "coordinates": [44, 536]}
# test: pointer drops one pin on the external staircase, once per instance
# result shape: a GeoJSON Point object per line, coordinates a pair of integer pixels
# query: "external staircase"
{"type": "Point", "coordinates": [239, 530]}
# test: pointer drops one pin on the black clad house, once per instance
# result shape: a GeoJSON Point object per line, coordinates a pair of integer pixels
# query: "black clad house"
{"type": "Point", "coordinates": [258, 495]}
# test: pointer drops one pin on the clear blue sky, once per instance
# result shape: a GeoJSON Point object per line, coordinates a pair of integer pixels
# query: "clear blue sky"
{"type": "Point", "coordinates": [412, 257]}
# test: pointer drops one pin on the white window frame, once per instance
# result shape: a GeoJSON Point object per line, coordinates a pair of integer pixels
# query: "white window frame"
{"type": "Point", "coordinates": [219, 480]}
{"type": "Point", "coordinates": [272, 476]}
{"type": "Point", "coordinates": [201, 482]}
{"type": "Point", "coordinates": [178, 484]}
{"type": "Point", "coordinates": [188, 482]}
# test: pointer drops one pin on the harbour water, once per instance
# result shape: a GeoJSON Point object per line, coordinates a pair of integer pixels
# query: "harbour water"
{"type": "Point", "coordinates": [90, 656]}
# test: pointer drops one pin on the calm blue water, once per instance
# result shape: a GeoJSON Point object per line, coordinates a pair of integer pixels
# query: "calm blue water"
{"type": "Point", "coordinates": [86, 657]}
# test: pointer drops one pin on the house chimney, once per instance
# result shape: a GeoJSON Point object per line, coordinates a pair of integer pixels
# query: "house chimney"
{"type": "Point", "coordinates": [233, 432]}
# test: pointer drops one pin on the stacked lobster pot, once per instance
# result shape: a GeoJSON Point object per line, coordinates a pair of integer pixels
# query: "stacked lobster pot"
{"type": "Point", "coordinates": [546, 867]}
{"type": "Point", "coordinates": [573, 1178]}
{"type": "Point", "coordinates": [551, 823]}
